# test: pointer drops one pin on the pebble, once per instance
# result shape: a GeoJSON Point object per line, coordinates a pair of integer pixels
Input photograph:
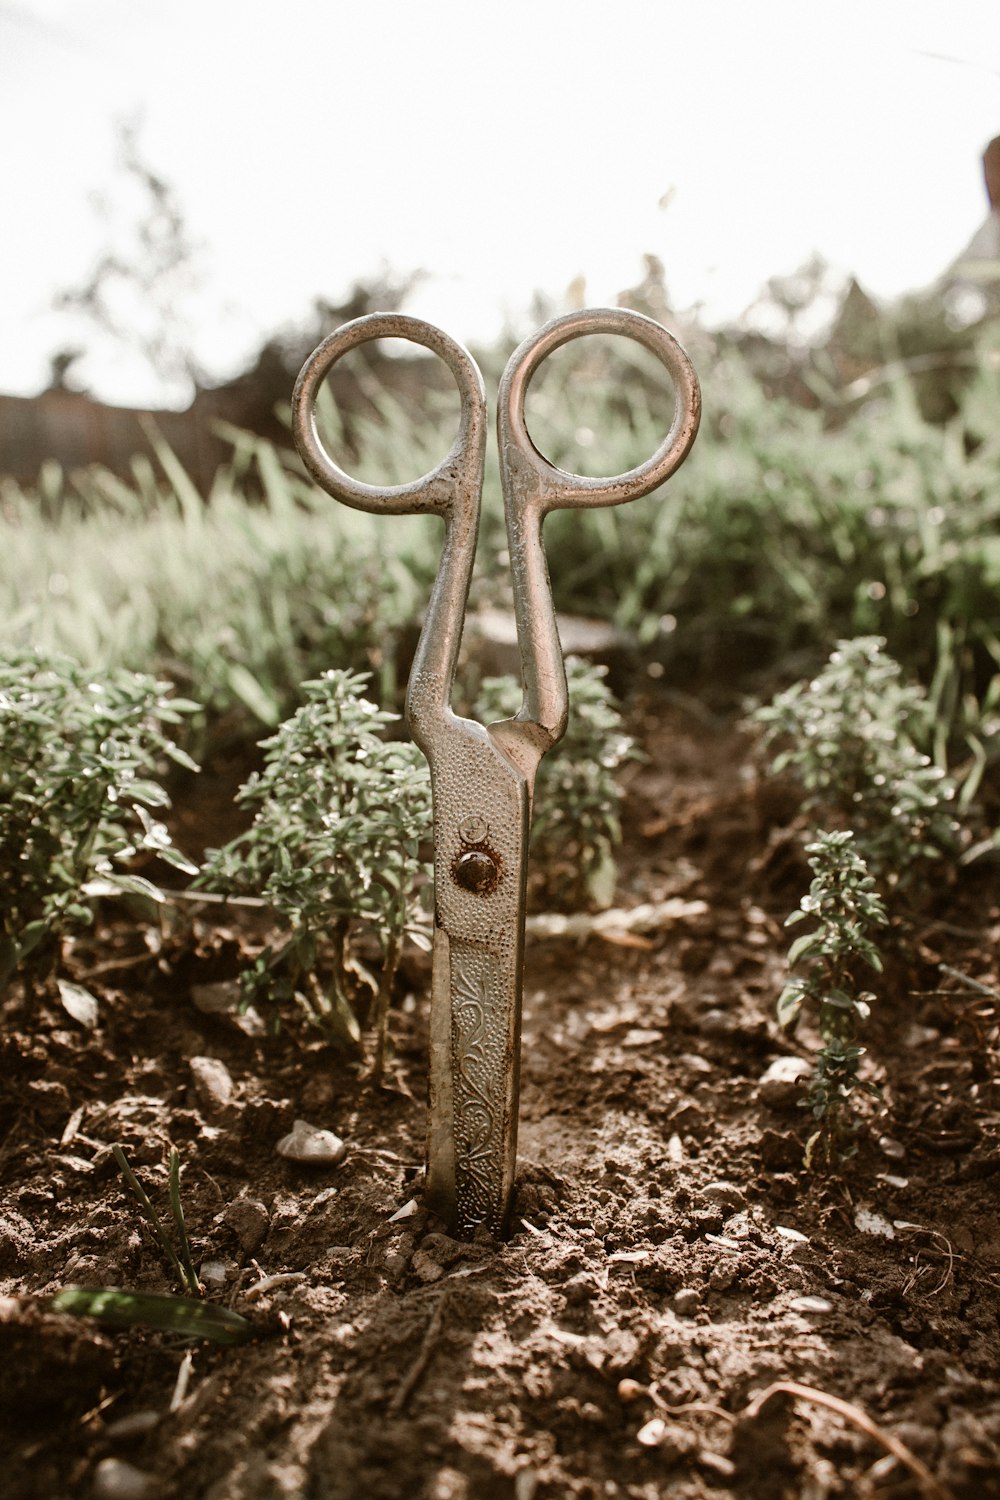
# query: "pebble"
{"type": "Point", "coordinates": [726, 1194]}
{"type": "Point", "coordinates": [212, 1275]}
{"type": "Point", "coordinates": [212, 1084]}
{"type": "Point", "coordinates": [426, 1267]}
{"type": "Point", "coordinates": [686, 1302]}
{"type": "Point", "coordinates": [116, 1480]}
{"type": "Point", "coordinates": [780, 1086]}
{"type": "Point", "coordinates": [307, 1143]}
{"type": "Point", "coordinates": [652, 1433]}
{"type": "Point", "coordinates": [217, 999]}
{"type": "Point", "coordinates": [795, 1246]}
{"type": "Point", "coordinates": [250, 1221]}
{"type": "Point", "coordinates": [810, 1305]}
{"type": "Point", "coordinates": [891, 1148]}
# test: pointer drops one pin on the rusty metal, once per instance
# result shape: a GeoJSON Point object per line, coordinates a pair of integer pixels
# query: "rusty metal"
{"type": "Point", "coordinates": [483, 776]}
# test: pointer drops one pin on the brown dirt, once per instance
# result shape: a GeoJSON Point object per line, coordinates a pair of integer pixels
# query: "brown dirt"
{"type": "Point", "coordinates": [670, 1259]}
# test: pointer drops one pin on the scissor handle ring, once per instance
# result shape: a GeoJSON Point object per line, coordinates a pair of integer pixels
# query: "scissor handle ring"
{"type": "Point", "coordinates": [554, 487]}
{"type": "Point", "coordinates": [433, 491]}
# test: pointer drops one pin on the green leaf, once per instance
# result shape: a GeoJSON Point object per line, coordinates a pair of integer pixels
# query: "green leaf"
{"type": "Point", "coordinates": [120, 884]}
{"type": "Point", "coordinates": [182, 1315]}
{"type": "Point", "coordinates": [809, 942]}
{"type": "Point", "coordinates": [790, 1004]}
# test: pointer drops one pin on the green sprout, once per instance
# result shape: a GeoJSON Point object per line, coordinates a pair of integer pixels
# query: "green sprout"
{"type": "Point", "coordinates": [844, 909]}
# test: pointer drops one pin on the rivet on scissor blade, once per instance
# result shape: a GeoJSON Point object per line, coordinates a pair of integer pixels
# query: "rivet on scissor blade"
{"type": "Point", "coordinates": [476, 870]}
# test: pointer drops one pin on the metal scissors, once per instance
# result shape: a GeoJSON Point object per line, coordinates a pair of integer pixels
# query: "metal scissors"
{"type": "Point", "coordinates": [482, 777]}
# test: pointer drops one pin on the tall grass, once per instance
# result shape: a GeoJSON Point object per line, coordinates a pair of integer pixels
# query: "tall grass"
{"type": "Point", "coordinates": [240, 600]}
{"type": "Point", "coordinates": [786, 530]}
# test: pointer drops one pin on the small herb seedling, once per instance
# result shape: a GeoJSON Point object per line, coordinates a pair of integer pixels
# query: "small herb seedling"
{"type": "Point", "coordinates": [336, 848]}
{"type": "Point", "coordinates": [79, 754]}
{"type": "Point", "coordinates": [845, 909]}
{"type": "Point", "coordinates": [851, 736]}
{"type": "Point", "coordinates": [577, 813]}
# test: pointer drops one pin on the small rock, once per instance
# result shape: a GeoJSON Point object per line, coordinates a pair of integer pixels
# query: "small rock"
{"type": "Point", "coordinates": [810, 1305]}
{"type": "Point", "coordinates": [217, 999]}
{"type": "Point", "coordinates": [442, 1248]}
{"type": "Point", "coordinates": [114, 1479]}
{"type": "Point", "coordinates": [651, 1434]}
{"type": "Point", "coordinates": [213, 1084]}
{"type": "Point", "coordinates": [794, 1246]}
{"type": "Point", "coordinates": [891, 1148]}
{"type": "Point", "coordinates": [307, 1143]}
{"type": "Point", "coordinates": [250, 1221]}
{"type": "Point", "coordinates": [780, 1087]}
{"type": "Point", "coordinates": [426, 1267]}
{"type": "Point", "coordinates": [870, 1222]}
{"type": "Point", "coordinates": [212, 1275]}
{"type": "Point", "coordinates": [726, 1194]}
{"type": "Point", "coordinates": [686, 1302]}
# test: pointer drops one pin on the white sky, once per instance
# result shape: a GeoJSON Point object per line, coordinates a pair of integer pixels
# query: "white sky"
{"type": "Point", "coordinates": [503, 148]}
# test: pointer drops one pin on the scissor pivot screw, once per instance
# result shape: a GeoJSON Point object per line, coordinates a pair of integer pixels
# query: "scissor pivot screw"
{"type": "Point", "coordinates": [476, 871]}
{"type": "Point", "coordinates": [474, 829]}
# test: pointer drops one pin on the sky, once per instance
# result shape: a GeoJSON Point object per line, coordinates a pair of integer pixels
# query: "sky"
{"type": "Point", "coordinates": [501, 150]}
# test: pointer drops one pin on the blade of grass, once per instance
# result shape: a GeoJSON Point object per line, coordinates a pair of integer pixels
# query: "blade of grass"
{"type": "Point", "coordinates": [149, 1213]}
{"type": "Point", "coordinates": [120, 1309]}
{"type": "Point", "coordinates": [176, 1208]}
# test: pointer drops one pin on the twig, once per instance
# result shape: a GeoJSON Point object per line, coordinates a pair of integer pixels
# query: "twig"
{"type": "Point", "coordinates": [212, 898]}
{"type": "Point", "coordinates": [973, 984]}
{"type": "Point", "coordinates": [652, 916]}
{"type": "Point", "coordinates": [183, 1381]}
{"type": "Point", "coordinates": [861, 1420]}
{"type": "Point", "coordinates": [423, 1359]}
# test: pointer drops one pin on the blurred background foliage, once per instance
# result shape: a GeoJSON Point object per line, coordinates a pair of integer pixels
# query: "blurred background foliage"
{"type": "Point", "coordinates": [846, 482]}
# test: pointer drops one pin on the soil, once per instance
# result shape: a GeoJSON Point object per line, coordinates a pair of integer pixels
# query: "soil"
{"type": "Point", "coordinates": [681, 1308]}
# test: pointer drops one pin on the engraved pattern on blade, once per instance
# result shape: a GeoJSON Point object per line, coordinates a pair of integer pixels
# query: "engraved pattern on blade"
{"type": "Point", "coordinates": [479, 1045]}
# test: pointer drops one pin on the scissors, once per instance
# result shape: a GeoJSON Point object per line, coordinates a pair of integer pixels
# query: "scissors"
{"type": "Point", "coordinates": [482, 777]}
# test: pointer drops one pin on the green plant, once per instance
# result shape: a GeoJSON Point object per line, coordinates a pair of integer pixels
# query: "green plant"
{"type": "Point", "coordinates": [845, 909]}
{"type": "Point", "coordinates": [116, 1308]}
{"type": "Point", "coordinates": [852, 736]}
{"type": "Point", "coordinates": [576, 825]}
{"type": "Point", "coordinates": [186, 1315]}
{"type": "Point", "coordinates": [181, 1262]}
{"type": "Point", "coordinates": [336, 849]}
{"type": "Point", "coordinates": [79, 753]}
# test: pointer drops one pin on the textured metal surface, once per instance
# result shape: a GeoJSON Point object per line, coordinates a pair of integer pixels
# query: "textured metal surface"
{"type": "Point", "coordinates": [483, 778]}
